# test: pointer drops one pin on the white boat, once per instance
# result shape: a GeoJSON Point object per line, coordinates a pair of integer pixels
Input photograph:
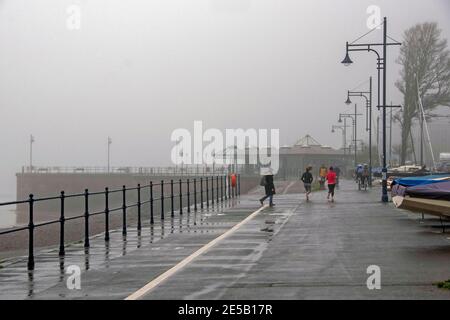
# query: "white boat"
{"type": "Point", "coordinates": [440, 208]}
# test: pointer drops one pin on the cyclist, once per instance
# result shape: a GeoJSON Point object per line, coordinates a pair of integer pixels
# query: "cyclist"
{"type": "Point", "coordinates": [365, 175]}
{"type": "Point", "coordinates": [358, 172]}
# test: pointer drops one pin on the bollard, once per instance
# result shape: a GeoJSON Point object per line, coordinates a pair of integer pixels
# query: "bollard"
{"type": "Point", "coordinates": [31, 234]}
{"type": "Point", "coordinates": [188, 197]}
{"type": "Point", "coordinates": [181, 197]}
{"type": "Point", "coordinates": [201, 193]}
{"type": "Point", "coordinates": [106, 214]}
{"type": "Point", "coordinates": [86, 218]}
{"type": "Point", "coordinates": [61, 228]}
{"type": "Point", "coordinates": [151, 203]}
{"type": "Point", "coordinates": [124, 211]}
{"type": "Point", "coordinates": [139, 226]}
{"type": "Point", "coordinates": [162, 199]}
{"type": "Point", "coordinates": [171, 199]}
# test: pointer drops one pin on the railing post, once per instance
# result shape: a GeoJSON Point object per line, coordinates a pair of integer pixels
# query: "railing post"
{"type": "Point", "coordinates": [31, 234]}
{"type": "Point", "coordinates": [188, 196]}
{"type": "Point", "coordinates": [195, 194]}
{"type": "Point", "coordinates": [62, 219]}
{"type": "Point", "coordinates": [229, 187]}
{"type": "Point", "coordinates": [217, 189]}
{"type": "Point", "coordinates": [225, 185]}
{"type": "Point", "coordinates": [86, 218]}
{"type": "Point", "coordinates": [151, 203]}
{"type": "Point", "coordinates": [207, 191]}
{"type": "Point", "coordinates": [221, 189]}
{"type": "Point", "coordinates": [139, 226]}
{"type": "Point", "coordinates": [124, 211]}
{"type": "Point", "coordinates": [212, 190]}
{"type": "Point", "coordinates": [181, 196]}
{"type": "Point", "coordinates": [239, 184]}
{"type": "Point", "coordinates": [162, 199]}
{"type": "Point", "coordinates": [172, 210]}
{"type": "Point", "coordinates": [201, 192]}
{"type": "Point", "coordinates": [106, 214]}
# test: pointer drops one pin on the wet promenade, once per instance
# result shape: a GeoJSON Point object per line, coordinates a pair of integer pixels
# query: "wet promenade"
{"type": "Point", "coordinates": [296, 250]}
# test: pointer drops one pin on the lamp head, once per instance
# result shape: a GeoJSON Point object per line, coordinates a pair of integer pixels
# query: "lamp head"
{"type": "Point", "coordinates": [347, 61]}
{"type": "Point", "coordinates": [340, 120]}
{"type": "Point", "coordinates": [348, 101]}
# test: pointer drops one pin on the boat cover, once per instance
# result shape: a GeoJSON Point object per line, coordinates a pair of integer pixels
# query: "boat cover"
{"type": "Point", "coordinates": [438, 191]}
{"type": "Point", "coordinates": [398, 190]}
{"type": "Point", "coordinates": [424, 180]}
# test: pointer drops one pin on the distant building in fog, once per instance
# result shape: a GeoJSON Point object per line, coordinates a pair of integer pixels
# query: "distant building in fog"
{"type": "Point", "coordinates": [308, 151]}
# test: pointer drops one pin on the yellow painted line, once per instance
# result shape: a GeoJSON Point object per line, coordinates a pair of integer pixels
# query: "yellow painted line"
{"type": "Point", "coordinates": [166, 275]}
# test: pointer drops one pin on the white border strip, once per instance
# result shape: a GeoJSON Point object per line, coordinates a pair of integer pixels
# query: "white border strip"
{"type": "Point", "coordinates": [157, 281]}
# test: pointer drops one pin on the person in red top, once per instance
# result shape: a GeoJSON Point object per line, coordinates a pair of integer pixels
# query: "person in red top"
{"type": "Point", "coordinates": [331, 180]}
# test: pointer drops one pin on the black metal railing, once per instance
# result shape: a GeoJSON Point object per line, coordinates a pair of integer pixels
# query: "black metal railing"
{"type": "Point", "coordinates": [186, 170]}
{"type": "Point", "coordinates": [212, 184]}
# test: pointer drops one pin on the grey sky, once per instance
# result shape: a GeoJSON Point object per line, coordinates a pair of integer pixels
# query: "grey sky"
{"type": "Point", "coordinates": [136, 70]}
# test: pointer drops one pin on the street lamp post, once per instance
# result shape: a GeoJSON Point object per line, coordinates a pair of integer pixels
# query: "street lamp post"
{"type": "Point", "coordinates": [182, 161]}
{"type": "Point", "coordinates": [381, 65]}
{"type": "Point", "coordinates": [198, 157]}
{"type": "Point", "coordinates": [31, 152]}
{"type": "Point", "coordinates": [109, 153]}
{"type": "Point", "coordinates": [367, 95]}
{"type": "Point", "coordinates": [179, 153]}
{"type": "Point", "coordinates": [354, 117]}
{"type": "Point", "coordinates": [344, 134]}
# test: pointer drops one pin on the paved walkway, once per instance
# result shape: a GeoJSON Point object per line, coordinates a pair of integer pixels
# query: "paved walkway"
{"type": "Point", "coordinates": [297, 250]}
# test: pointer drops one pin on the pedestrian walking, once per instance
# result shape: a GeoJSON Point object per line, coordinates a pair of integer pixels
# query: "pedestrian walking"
{"type": "Point", "coordinates": [269, 189]}
{"type": "Point", "coordinates": [322, 176]}
{"type": "Point", "coordinates": [331, 180]}
{"type": "Point", "coordinates": [338, 175]}
{"type": "Point", "coordinates": [307, 179]}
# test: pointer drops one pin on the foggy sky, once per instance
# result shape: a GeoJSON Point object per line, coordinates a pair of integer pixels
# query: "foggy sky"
{"type": "Point", "coordinates": [137, 70]}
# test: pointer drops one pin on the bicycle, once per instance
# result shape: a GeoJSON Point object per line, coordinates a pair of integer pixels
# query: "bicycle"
{"type": "Point", "coordinates": [362, 183]}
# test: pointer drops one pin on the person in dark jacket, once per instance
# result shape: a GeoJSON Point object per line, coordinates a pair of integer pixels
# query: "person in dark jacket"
{"type": "Point", "coordinates": [270, 190]}
{"type": "Point", "coordinates": [307, 179]}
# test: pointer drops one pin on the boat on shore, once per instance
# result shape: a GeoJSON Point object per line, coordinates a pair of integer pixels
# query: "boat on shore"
{"type": "Point", "coordinates": [440, 208]}
{"type": "Point", "coordinates": [427, 194]}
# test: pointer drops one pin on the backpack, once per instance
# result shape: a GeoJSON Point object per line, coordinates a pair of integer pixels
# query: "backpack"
{"type": "Point", "coordinates": [262, 183]}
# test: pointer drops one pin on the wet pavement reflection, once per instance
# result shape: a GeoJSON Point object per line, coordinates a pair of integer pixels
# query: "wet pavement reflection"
{"type": "Point", "coordinates": [16, 282]}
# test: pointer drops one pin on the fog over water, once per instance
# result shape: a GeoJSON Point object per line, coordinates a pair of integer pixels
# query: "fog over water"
{"type": "Point", "coordinates": [137, 70]}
